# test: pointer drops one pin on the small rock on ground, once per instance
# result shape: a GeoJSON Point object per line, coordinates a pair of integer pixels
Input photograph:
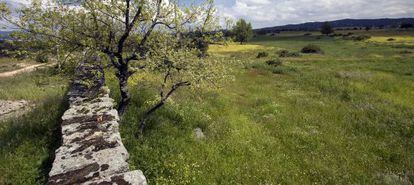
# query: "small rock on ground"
{"type": "Point", "coordinates": [199, 133]}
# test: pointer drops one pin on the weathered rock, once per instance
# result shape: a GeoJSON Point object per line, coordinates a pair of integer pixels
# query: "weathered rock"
{"type": "Point", "coordinates": [92, 151]}
{"type": "Point", "coordinates": [199, 133]}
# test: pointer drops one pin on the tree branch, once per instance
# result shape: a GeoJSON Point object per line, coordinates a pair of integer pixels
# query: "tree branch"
{"type": "Point", "coordinates": [160, 104]}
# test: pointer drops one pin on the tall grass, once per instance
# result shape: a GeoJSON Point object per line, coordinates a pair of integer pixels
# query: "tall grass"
{"type": "Point", "coordinates": [345, 117]}
{"type": "Point", "coordinates": [28, 142]}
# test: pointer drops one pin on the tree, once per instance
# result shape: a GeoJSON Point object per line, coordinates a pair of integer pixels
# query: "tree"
{"type": "Point", "coordinates": [178, 67]}
{"type": "Point", "coordinates": [406, 25]}
{"type": "Point", "coordinates": [242, 31]}
{"type": "Point", "coordinates": [367, 28]}
{"type": "Point", "coordinates": [123, 30]}
{"type": "Point", "coordinates": [326, 28]}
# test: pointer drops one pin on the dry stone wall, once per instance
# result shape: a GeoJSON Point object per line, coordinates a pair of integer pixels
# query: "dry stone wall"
{"type": "Point", "coordinates": [92, 151]}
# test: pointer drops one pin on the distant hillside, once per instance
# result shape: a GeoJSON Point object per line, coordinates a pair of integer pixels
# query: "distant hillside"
{"type": "Point", "coordinates": [345, 23]}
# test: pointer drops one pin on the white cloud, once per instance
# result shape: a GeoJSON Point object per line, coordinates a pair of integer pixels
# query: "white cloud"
{"type": "Point", "coordinates": [278, 12]}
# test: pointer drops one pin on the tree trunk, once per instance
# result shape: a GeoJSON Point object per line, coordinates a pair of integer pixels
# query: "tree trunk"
{"type": "Point", "coordinates": [123, 77]}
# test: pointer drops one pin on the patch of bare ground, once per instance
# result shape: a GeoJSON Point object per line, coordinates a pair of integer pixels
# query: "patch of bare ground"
{"type": "Point", "coordinates": [25, 69]}
{"type": "Point", "coordinates": [9, 109]}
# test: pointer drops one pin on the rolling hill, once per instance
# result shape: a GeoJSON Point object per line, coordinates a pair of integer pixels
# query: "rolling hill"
{"type": "Point", "coordinates": [344, 23]}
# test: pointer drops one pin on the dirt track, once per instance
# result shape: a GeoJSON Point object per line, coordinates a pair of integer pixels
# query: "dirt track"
{"type": "Point", "coordinates": [19, 71]}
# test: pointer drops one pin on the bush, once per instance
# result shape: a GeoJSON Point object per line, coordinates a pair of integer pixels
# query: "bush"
{"type": "Point", "coordinates": [311, 48]}
{"type": "Point", "coordinates": [406, 25]}
{"type": "Point", "coordinates": [361, 37]}
{"type": "Point", "coordinates": [286, 53]}
{"type": "Point", "coordinates": [307, 34]}
{"type": "Point", "coordinates": [274, 62]}
{"type": "Point", "coordinates": [405, 52]}
{"type": "Point", "coordinates": [12, 49]}
{"type": "Point", "coordinates": [42, 58]}
{"type": "Point", "coordinates": [262, 54]}
{"type": "Point", "coordinates": [391, 39]}
{"type": "Point", "coordinates": [202, 46]}
{"type": "Point", "coordinates": [348, 34]}
{"type": "Point", "coordinates": [336, 35]}
{"type": "Point", "coordinates": [326, 28]}
{"type": "Point", "coordinates": [275, 66]}
{"type": "Point", "coordinates": [283, 70]}
{"type": "Point", "coordinates": [357, 37]}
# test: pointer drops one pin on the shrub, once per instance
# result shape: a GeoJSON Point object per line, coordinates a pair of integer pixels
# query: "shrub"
{"type": "Point", "coordinates": [357, 37]}
{"type": "Point", "coordinates": [337, 35]}
{"type": "Point", "coordinates": [283, 70]}
{"type": "Point", "coordinates": [275, 66]}
{"type": "Point", "coordinates": [403, 46]}
{"type": "Point", "coordinates": [361, 37]}
{"type": "Point", "coordinates": [202, 45]}
{"type": "Point", "coordinates": [42, 58]}
{"type": "Point", "coordinates": [406, 25]}
{"type": "Point", "coordinates": [307, 34]}
{"type": "Point", "coordinates": [262, 54]}
{"type": "Point", "coordinates": [326, 28]}
{"type": "Point", "coordinates": [286, 53]}
{"type": "Point", "coordinates": [348, 34]}
{"type": "Point", "coordinates": [274, 62]}
{"type": "Point", "coordinates": [391, 39]}
{"type": "Point", "coordinates": [311, 48]}
{"type": "Point", "coordinates": [405, 52]}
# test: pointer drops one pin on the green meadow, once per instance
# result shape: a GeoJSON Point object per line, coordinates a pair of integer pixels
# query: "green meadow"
{"type": "Point", "coordinates": [345, 116]}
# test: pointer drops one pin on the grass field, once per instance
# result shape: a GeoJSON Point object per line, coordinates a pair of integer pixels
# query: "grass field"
{"type": "Point", "coordinates": [27, 142]}
{"type": "Point", "coordinates": [342, 117]}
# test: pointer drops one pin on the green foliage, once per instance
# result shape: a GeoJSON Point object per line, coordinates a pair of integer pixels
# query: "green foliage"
{"type": "Point", "coordinates": [326, 28]}
{"type": "Point", "coordinates": [242, 31]}
{"type": "Point", "coordinates": [352, 104]}
{"type": "Point", "coordinates": [274, 62]}
{"type": "Point", "coordinates": [283, 70]}
{"type": "Point", "coordinates": [201, 41]}
{"type": "Point", "coordinates": [28, 142]}
{"type": "Point", "coordinates": [311, 48]}
{"type": "Point", "coordinates": [406, 25]}
{"type": "Point", "coordinates": [313, 117]}
{"type": "Point", "coordinates": [287, 53]}
{"type": "Point", "coordinates": [42, 58]}
{"type": "Point", "coordinates": [357, 37]}
{"type": "Point", "coordinates": [262, 54]}
{"type": "Point", "coordinates": [125, 31]}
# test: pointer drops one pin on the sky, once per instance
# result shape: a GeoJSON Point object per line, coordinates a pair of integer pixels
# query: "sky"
{"type": "Point", "coordinates": [267, 13]}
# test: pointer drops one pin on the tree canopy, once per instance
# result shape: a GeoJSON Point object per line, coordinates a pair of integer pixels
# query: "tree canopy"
{"type": "Point", "coordinates": [242, 31]}
{"type": "Point", "coordinates": [326, 28]}
{"type": "Point", "coordinates": [127, 32]}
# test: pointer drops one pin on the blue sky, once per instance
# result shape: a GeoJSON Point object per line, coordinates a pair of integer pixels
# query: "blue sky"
{"type": "Point", "coordinates": [266, 13]}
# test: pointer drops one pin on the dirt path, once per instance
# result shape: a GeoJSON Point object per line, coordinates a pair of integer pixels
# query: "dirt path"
{"type": "Point", "coordinates": [23, 70]}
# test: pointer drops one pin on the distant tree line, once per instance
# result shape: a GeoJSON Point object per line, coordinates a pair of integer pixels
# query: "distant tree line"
{"type": "Point", "coordinates": [240, 32]}
{"type": "Point", "coordinates": [340, 25]}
